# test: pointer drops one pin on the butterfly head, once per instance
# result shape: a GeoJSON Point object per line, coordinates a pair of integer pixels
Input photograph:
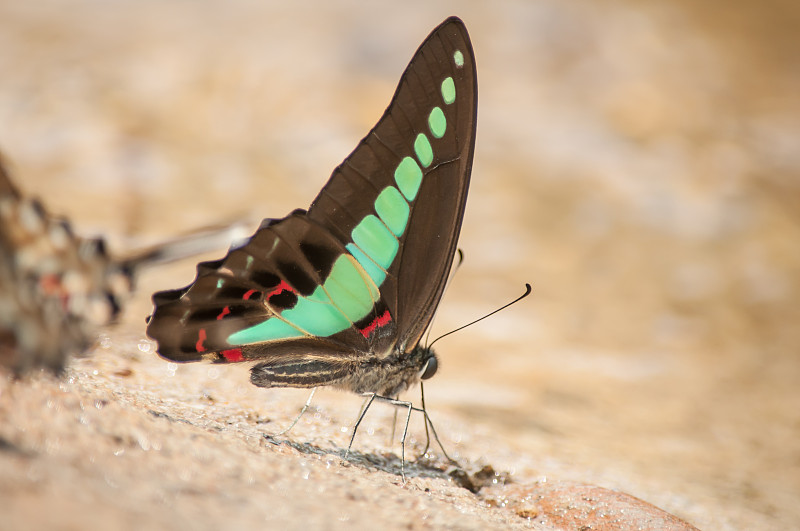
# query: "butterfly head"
{"type": "Point", "coordinates": [430, 363]}
{"type": "Point", "coordinates": [394, 374]}
{"type": "Point", "coordinates": [425, 359]}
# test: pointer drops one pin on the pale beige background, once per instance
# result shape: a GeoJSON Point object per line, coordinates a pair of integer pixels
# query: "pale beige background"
{"type": "Point", "coordinates": [639, 165]}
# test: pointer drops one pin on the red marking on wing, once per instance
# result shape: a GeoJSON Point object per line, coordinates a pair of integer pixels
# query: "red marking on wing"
{"type": "Point", "coordinates": [248, 294]}
{"type": "Point", "coordinates": [378, 322]}
{"type": "Point", "coordinates": [233, 355]}
{"type": "Point", "coordinates": [201, 335]}
{"type": "Point", "coordinates": [283, 286]}
{"type": "Point", "coordinates": [225, 311]}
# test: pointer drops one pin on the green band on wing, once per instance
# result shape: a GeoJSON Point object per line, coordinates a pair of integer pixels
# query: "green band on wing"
{"type": "Point", "coordinates": [437, 122]}
{"type": "Point", "coordinates": [392, 209]}
{"type": "Point", "coordinates": [448, 90]}
{"type": "Point", "coordinates": [372, 269]}
{"type": "Point", "coordinates": [269, 330]}
{"type": "Point", "coordinates": [408, 177]}
{"type": "Point", "coordinates": [423, 149]}
{"type": "Point", "coordinates": [345, 297]}
{"type": "Point", "coordinates": [316, 318]}
{"type": "Point", "coordinates": [350, 291]}
{"type": "Point", "coordinates": [372, 236]}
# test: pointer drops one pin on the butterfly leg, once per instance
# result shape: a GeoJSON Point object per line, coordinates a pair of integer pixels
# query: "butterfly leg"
{"type": "Point", "coordinates": [394, 426]}
{"type": "Point", "coordinates": [410, 407]}
{"type": "Point", "coordinates": [368, 402]}
{"type": "Point", "coordinates": [400, 403]}
{"type": "Point", "coordinates": [305, 407]}
{"type": "Point", "coordinates": [428, 422]}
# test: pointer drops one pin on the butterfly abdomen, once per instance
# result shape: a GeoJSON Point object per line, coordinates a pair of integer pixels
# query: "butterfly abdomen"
{"type": "Point", "coordinates": [308, 372]}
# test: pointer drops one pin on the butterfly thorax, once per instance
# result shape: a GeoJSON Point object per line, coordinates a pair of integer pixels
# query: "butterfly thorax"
{"type": "Point", "coordinates": [393, 374]}
{"type": "Point", "coordinates": [385, 376]}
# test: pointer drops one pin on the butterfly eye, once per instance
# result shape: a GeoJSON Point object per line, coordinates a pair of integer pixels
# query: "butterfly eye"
{"type": "Point", "coordinates": [429, 369]}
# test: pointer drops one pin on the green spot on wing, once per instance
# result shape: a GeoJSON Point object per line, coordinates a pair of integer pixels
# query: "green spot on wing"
{"type": "Point", "coordinates": [392, 209]}
{"type": "Point", "coordinates": [449, 90]}
{"type": "Point", "coordinates": [458, 57]}
{"type": "Point", "coordinates": [423, 149]}
{"type": "Point", "coordinates": [372, 236]}
{"type": "Point", "coordinates": [408, 177]}
{"type": "Point", "coordinates": [220, 283]}
{"type": "Point", "coordinates": [437, 122]}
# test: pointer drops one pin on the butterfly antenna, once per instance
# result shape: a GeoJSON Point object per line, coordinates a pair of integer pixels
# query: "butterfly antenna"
{"type": "Point", "coordinates": [453, 270]}
{"type": "Point", "coordinates": [527, 292]}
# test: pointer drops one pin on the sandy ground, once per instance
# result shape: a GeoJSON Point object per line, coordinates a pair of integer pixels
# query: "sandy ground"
{"type": "Point", "coordinates": [638, 165]}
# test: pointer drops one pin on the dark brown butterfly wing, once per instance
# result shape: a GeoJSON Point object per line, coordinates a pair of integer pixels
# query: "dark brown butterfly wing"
{"type": "Point", "coordinates": [359, 274]}
{"type": "Point", "coordinates": [416, 278]}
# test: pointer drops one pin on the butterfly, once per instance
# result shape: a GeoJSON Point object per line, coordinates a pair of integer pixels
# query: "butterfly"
{"type": "Point", "coordinates": [341, 294]}
{"type": "Point", "coordinates": [57, 288]}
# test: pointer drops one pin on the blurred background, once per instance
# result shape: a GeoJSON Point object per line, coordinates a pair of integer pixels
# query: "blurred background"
{"type": "Point", "coordinates": [637, 163]}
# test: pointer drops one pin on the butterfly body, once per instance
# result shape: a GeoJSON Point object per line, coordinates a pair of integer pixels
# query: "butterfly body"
{"type": "Point", "coordinates": [341, 294]}
{"type": "Point", "coordinates": [385, 376]}
{"type": "Point", "coordinates": [55, 287]}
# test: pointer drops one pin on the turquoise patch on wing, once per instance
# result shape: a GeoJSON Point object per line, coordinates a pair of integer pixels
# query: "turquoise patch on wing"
{"type": "Point", "coordinates": [423, 149]}
{"type": "Point", "coordinates": [345, 297]}
{"type": "Point", "coordinates": [408, 177]}
{"type": "Point", "coordinates": [351, 290]}
{"type": "Point", "coordinates": [315, 316]}
{"type": "Point", "coordinates": [372, 237]}
{"type": "Point", "coordinates": [372, 269]}
{"type": "Point", "coordinates": [448, 90]}
{"type": "Point", "coordinates": [392, 209]}
{"type": "Point", "coordinates": [270, 330]}
{"type": "Point", "coordinates": [437, 122]}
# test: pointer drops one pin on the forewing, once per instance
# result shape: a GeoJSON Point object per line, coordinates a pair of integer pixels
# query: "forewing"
{"type": "Point", "coordinates": [398, 200]}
